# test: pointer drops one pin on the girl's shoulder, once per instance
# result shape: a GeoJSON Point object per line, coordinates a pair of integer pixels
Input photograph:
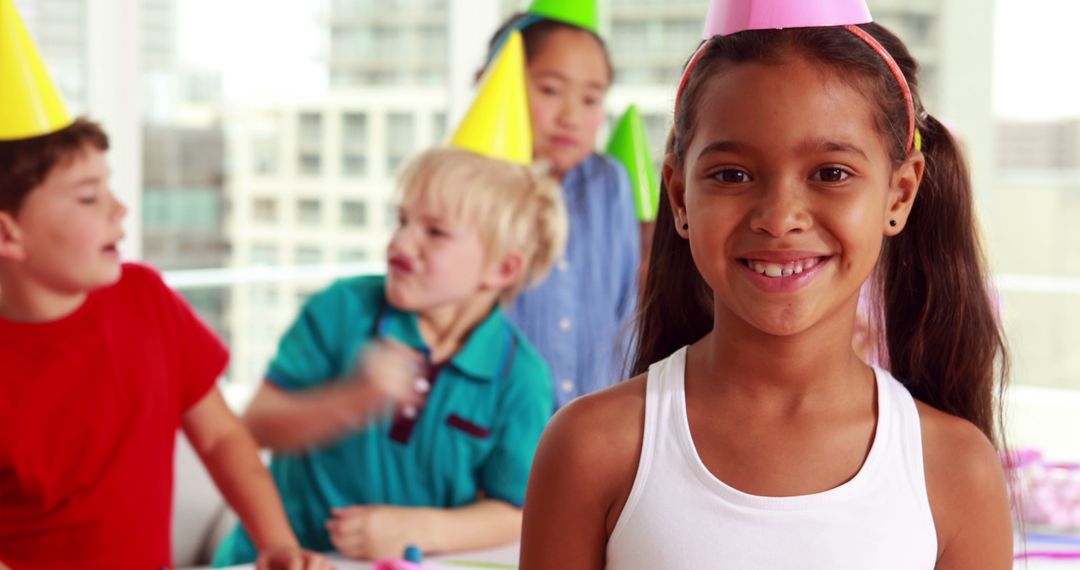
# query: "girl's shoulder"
{"type": "Point", "coordinates": [954, 446]}
{"type": "Point", "coordinates": [965, 481]}
{"type": "Point", "coordinates": [616, 411]}
{"type": "Point", "coordinates": [599, 436]}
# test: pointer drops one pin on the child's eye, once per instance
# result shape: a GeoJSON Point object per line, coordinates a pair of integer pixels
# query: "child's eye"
{"type": "Point", "coordinates": [88, 200]}
{"type": "Point", "coordinates": [732, 176]}
{"type": "Point", "coordinates": [831, 174]}
{"type": "Point", "coordinates": [437, 232]}
{"type": "Point", "coordinates": [592, 101]}
{"type": "Point", "coordinates": [548, 90]}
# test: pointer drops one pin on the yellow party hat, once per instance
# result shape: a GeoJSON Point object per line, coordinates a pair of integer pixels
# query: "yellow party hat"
{"type": "Point", "coordinates": [498, 125]}
{"type": "Point", "coordinates": [30, 103]}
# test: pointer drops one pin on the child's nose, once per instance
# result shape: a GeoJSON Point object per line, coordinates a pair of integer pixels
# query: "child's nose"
{"type": "Point", "coordinates": [781, 209]}
{"type": "Point", "coordinates": [119, 210]}
{"type": "Point", "coordinates": [403, 239]}
{"type": "Point", "coordinates": [569, 113]}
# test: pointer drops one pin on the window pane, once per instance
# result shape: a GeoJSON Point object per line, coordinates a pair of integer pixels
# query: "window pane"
{"type": "Point", "coordinates": [308, 255]}
{"type": "Point", "coordinates": [309, 212]}
{"type": "Point", "coordinates": [265, 210]}
{"type": "Point", "coordinates": [354, 214]}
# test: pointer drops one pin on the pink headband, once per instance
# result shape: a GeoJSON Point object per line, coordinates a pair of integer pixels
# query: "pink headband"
{"type": "Point", "coordinates": [912, 142]}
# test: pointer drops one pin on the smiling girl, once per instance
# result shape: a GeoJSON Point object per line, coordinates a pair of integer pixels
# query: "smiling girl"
{"type": "Point", "coordinates": [801, 163]}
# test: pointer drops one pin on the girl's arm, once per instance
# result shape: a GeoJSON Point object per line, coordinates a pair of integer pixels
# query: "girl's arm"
{"type": "Point", "coordinates": [232, 459]}
{"type": "Point", "coordinates": [372, 532]}
{"type": "Point", "coordinates": [968, 494]}
{"type": "Point", "coordinates": [285, 420]}
{"type": "Point", "coordinates": [583, 472]}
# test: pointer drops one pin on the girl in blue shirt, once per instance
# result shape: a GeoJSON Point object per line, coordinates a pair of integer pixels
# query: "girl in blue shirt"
{"type": "Point", "coordinates": [578, 318]}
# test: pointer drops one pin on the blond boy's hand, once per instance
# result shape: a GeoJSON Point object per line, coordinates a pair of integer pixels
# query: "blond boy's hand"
{"type": "Point", "coordinates": [373, 532]}
{"type": "Point", "coordinates": [391, 371]}
{"type": "Point", "coordinates": [292, 558]}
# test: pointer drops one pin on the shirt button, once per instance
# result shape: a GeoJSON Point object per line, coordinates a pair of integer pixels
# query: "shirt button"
{"type": "Point", "coordinates": [568, 386]}
{"type": "Point", "coordinates": [562, 265]}
{"type": "Point", "coordinates": [564, 324]}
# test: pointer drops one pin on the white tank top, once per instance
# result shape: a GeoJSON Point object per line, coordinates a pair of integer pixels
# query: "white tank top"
{"type": "Point", "coordinates": [680, 516]}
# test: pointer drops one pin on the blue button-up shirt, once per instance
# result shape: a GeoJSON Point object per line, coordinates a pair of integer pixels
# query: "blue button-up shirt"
{"type": "Point", "coordinates": [580, 317]}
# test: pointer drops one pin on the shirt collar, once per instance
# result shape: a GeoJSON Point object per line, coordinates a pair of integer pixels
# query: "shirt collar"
{"type": "Point", "coordinates": [485, 352]}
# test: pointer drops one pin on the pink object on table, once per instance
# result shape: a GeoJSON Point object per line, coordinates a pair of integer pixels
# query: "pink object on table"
{"type": "Point", "coordinates": [727, 17]}
{"type": "Point", "coordinates": [397, 564]}
{"type": "Point", "coordinates": [1048, 493]}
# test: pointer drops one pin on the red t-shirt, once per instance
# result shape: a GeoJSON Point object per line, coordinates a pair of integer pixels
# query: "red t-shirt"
{"type": "Point", "coordinates": [89, 408]}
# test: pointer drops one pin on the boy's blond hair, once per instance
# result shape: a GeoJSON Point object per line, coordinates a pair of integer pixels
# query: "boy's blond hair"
{"type": "Point", "coordinates": [513, 207]}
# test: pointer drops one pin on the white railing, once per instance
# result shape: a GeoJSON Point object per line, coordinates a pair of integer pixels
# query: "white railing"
{"type": "Point", "coordinates": [187, 279]}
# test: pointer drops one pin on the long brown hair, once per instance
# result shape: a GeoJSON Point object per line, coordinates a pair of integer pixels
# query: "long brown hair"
{"type": "Point", "coordinates": [941, 336]}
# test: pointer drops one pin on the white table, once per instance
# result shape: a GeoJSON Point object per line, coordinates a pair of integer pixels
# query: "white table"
{"type": "Point", "coordinates": [495, 559]}
{"type": "Point", "coordinates": [507, 556]}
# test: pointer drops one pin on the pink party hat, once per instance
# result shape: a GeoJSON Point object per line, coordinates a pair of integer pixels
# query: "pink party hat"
{"type": "Point", "coordinates": [727, 17]}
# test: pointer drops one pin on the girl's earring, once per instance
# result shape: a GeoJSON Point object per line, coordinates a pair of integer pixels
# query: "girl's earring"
{"type": "Point", "coordinates": [892, 223]}
{"type": "Point", "coordinates": [687, 227]}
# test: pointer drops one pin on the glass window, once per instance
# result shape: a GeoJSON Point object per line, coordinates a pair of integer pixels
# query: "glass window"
{"type": "Point", "coordinates": [265, 149]}
{"type": "Point", "coordinates": [354, 131]}
{"type": "Point", "coordinates": [310, 131]}
{"type": "Point", "coordinates": [309, 211]}
{"type": "Point", "coordinates": [400, 129]}
{"type": "Point", "coordinates": [352, 255]}
{"type": "Point", "coordinates": [354, 165]}
{"type": "Point", "coordinates": [438, 127]}
{"type": "Point", "coordinates": [354, 213]}
{"type": "Point", "coordinates": [308, 255]}
{"type": "Point", "coordinates": [310, 164]}
{"type": "Point", "coordinates": [264, 254]}
{"type": "Point", "coordinates": [265, 210]}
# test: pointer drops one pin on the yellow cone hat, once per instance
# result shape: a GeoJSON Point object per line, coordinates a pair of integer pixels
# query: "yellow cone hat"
{"type": "Point", "coordinates": [30, 103]}
{"type": "Point", "coordinates": [498, 125]}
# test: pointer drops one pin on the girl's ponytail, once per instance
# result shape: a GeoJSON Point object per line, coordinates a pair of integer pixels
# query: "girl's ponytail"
{"type": "Point", "coordinates": [942, 335]}
{"type": "Point", "coordinates": [676, 303]}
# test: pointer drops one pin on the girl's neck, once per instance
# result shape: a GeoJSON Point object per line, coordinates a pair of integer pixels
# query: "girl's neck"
{"type": "Point", "coordinates": [445, 328]}
{"type": "Point", "coordinates": [791, 370]}
{"type": "Point", "coordinates": [27, 302]}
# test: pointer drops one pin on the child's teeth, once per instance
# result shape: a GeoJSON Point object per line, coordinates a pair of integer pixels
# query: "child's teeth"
{"type": "Point", "coordinates": [778, 270]}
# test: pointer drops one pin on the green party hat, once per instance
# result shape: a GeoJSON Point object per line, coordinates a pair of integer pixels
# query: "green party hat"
{"type": "Point", "coordinates": [580, 13]}
{"type": "Point", "coordinates": [629, 146]}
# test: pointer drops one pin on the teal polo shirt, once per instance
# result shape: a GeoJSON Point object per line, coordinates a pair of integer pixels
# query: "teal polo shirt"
{"type": "Point", "coordinates": [476, 433]}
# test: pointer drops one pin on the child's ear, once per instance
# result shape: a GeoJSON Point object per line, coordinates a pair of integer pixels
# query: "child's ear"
{"type": "Point", "coordinates": [676, 192]}
{"type": "Point", "coordinates": [902, 192]}
{"type": "Point", "coordinates": [506, 271]}
{"type": "Point", "coordinates": [11, 246]}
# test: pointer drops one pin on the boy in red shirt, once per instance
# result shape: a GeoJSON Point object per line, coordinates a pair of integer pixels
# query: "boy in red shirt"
{"type": "Point", "coordinates": [100, 362]}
